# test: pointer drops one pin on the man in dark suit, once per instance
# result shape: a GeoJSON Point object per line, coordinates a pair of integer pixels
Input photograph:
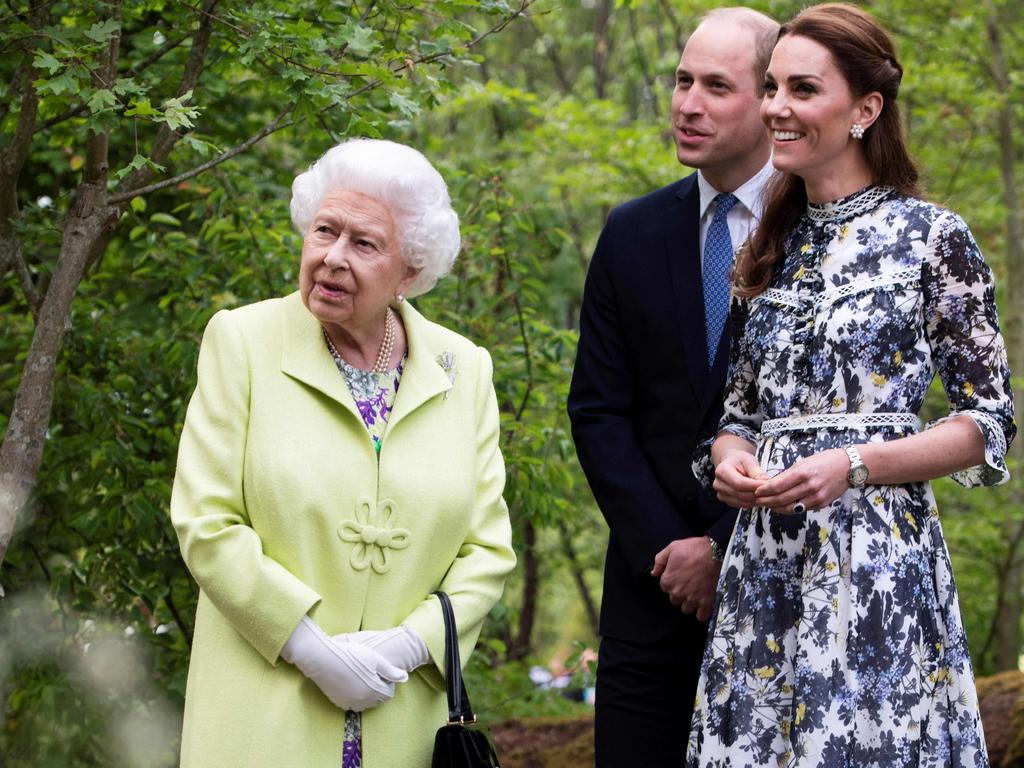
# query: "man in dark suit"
{"type": "Point", "coordinates": [647, 384]}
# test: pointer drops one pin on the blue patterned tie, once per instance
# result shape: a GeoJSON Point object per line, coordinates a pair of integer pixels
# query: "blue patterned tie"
{"type": "Point", "coordinates": [717, 263]}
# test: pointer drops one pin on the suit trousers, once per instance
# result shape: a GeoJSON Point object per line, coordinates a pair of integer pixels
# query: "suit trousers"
{"type": "Point", "coordinates": [644, 698]}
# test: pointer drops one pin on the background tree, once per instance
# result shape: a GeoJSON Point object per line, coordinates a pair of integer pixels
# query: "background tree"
{"type": "Point", "coordinates": [87, 77]}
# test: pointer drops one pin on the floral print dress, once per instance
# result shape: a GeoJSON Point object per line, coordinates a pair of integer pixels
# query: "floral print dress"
{"type": "Point", "coordinates": [837, 640]}
{"type": "Point", "coordinates": [374, 394]}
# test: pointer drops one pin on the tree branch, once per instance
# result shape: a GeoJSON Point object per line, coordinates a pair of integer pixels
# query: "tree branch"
{"type": "Point", "coordinates": [278, 123]}
{"type": "Point", "coordinates": [551, 50]}
{"type": "Point", "coordinates": [186, 631]}
{"type": "Point", "coordinates": [166, 137]}
{"type": "Point", "coordinates": [28, 287]}
{"type": "Point", "coordinates": [12, 160]}
{"type": "Point", "coordinates": [274, 125]}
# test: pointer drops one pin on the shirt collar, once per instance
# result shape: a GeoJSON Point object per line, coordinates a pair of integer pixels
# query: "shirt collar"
{"type": "Point", "coordinates": [749, 193]}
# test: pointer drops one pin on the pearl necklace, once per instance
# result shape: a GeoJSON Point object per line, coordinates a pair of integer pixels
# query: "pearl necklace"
{"type": "Point", "coordinates": [387, 344]}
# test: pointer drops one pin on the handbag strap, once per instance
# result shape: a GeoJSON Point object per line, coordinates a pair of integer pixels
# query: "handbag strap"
{"type": "Point", "coordinates": [459, 708]}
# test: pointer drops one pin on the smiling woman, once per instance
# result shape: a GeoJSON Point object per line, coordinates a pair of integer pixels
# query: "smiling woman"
{"type": "Point", "coordinates": [312, 503]}
{"type": "Point", "coordinates": [837, 638]}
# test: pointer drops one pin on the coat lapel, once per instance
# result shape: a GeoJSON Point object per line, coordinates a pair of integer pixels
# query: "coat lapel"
{"type": "Point", "coordinates": [682, 247]}
{"type": "Point", "coordinates": [304, 354]}
{"type": "Point", "coordinates": [423, 377]}
{"type": "Point", "coordinates": [304, 357]}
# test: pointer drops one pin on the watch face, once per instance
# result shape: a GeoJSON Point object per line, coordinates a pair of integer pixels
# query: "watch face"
{"type": "Point", "coordinates": [858, 476]}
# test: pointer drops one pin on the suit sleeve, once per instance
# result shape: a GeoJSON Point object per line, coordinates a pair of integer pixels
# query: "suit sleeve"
{"type": "Point", "coordinates": [641, 515]}
{"type": "Point", "coordinates": [262, 600]}
{"type": "Point", "coordinates": [476, 577]}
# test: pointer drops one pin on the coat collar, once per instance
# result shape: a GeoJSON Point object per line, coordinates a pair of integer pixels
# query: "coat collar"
{"type": "Point", "coordinates": [304, 357]}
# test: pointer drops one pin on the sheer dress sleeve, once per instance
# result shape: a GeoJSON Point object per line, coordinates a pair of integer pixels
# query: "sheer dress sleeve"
{"type": "Point", "coordinates": [962, 327]}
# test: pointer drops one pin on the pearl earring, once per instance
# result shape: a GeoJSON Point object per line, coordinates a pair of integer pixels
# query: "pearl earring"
{"type": "Point", "coordinates": [857, 131]}
{"type": "Point", "coordinates": [399, 298]}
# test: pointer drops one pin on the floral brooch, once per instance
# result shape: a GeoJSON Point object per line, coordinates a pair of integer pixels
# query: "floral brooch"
{"type": "Point", "coordinates": [447, 362]}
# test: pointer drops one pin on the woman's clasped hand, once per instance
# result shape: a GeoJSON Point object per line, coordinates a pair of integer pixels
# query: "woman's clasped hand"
{"type": "Point", "coordinates": [814, 482]}
{"type": "Point", "coordinates": [352, 675]}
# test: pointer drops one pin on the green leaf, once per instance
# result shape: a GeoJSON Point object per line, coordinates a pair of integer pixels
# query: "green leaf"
{"type": "Point", "coordinates": [137, 162]}
{"type": "Point", "coordinates": [140, 108]}
{"type": "Point", "coordinates": [44, 60]}
{"type": "Point", "coordinates": [101, 99]}
{"type": "Point", "coordinates": [57, 85]}
{"type": "Point", "coordinates": [102, 31]}
{"type": "Point", "coordinates": [177, 114]}
{"type": "Point", "coordinates": [202, 148]}
{"type": "Point", "coordinates": [406, 106]}
{"type": "Point", "coordinates": [359, 39]}
{"type": "Point", "coordinates": [124, 86]}
{"type": "Point", "coordinates": [164, 218]}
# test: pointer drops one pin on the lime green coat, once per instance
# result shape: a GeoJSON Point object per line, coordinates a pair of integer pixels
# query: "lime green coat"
{"type": "Point", "coordinates": [281, 508]}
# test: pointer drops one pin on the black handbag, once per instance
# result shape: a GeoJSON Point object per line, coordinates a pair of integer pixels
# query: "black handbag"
{"type": "Point", "coordinates": [457, 745]}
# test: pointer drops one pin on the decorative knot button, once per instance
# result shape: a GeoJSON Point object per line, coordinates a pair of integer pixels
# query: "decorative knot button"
{"type": "Point", "coordinates": [372, 536]}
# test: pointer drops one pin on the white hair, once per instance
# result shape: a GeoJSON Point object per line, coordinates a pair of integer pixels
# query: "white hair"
{"type": "Point", "coordinates": [402, 179]}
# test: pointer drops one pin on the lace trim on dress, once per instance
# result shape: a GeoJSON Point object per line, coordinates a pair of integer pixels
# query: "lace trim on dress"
{"type": "Point", "coordinates": [784, 297]}
{"type": "Point", "coordinates": [906, 278]}
{"type": "Point", "coordinates": [903, 277]}
{"type": "Point", "coordinates": [847, 207]}
{"type": "Point", "coordinates": [813, 421]}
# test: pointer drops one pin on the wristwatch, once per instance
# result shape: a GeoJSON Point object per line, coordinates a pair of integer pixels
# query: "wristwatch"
{"type": "Point", "coordinates": [857, 477]}
{"type": "Point", "coordinates": [717, 552]}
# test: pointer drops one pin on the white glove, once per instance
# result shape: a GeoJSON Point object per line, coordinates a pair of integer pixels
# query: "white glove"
{"type": "Point", "coordinates": [352, 676]}
{"type": "Point", "coordinates": [400, 645]}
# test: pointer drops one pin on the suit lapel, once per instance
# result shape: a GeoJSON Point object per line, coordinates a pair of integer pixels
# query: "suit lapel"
{"type": "Point", "coordinates": [718, 370]}
{"type": "Point", "coordinates": [682, 247]}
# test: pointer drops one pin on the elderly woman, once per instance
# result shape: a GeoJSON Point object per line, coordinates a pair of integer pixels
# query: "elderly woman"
{"type": "Point", "coordinates": [339, 462]}
{"type": "Point", "coordinates": [837, 637]}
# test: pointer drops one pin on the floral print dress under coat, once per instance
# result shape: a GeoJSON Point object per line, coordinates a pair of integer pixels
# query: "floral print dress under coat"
{"type": "Point", "coordinates": [837, 640]}
{"type": "Point", "coordinates": [374, 394]}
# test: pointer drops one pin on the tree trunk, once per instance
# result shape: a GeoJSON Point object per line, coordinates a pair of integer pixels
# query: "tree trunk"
{"type": "Point", "coordinates": [578, 577]}
{"type": "Point", "coordinates": [522, 646]}
{"type": "Point", "coordinates": [600, 53]}
{"type": "Point", "coordinates": [86, 232]}
{"type": "Point", "coordinates": [1007, 642]}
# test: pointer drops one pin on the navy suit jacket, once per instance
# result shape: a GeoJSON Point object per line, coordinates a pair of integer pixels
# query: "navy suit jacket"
{"type": "Point", "coordinates": [641, 398]}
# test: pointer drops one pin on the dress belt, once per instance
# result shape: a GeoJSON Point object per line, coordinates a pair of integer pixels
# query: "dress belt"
{"type": "Point", "coordinates": [811, 422]}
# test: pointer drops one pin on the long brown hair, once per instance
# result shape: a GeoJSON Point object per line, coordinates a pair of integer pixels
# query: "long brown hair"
{"type": "Point", "coordinates": [866, 57]}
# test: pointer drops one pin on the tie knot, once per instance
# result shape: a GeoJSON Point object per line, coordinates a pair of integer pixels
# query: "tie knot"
{"type": "Point", "coordinates": [723, 204]}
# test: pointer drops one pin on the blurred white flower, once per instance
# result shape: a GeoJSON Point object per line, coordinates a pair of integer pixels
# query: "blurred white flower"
{"type": "Point", "coordinates": [158, 38]}
{"type": "Point", "coordinates": [45, 201]}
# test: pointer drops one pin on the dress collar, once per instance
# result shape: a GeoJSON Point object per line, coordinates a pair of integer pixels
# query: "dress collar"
{"type": "Point", "coordinates": [846, 208]}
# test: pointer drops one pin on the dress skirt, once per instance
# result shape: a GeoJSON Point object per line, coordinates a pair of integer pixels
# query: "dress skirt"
{"type": "Point", "coordinates": [837, 640]}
